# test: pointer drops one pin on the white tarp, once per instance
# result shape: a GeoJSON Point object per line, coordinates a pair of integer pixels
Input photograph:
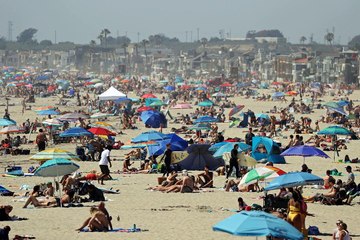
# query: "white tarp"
{"type": "Point", "coordinates": [111, 94]}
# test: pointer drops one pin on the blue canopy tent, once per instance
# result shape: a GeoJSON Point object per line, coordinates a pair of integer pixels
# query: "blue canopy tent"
{"type": "Point", "coordinates": [272, 153]}
{"type": "Point", "coordinates": [199, 157]}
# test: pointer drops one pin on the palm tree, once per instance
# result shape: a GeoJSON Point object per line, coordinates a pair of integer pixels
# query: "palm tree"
{"type": "Point", "coordinates": [204, 41]}
{"type": "Point", "coordinates": [144, 43]}
{"type": "Point", "coordinates": [103, 36]}
{"type": "Point", "coordinates": [329, 37]}
{"type": "Point", "coordinates": [302, 40]}
{"type": "Point", "coordinates": [92, 43]}
{"type": "Point", "coordinates": [124, 46]}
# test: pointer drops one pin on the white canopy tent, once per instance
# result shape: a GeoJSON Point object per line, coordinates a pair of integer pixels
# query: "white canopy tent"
{"type": "Point", "coordinates": [111, 94]}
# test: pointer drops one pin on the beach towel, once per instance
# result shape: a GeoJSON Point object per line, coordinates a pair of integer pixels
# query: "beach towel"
{"type": "Point", "coordinates": [126, 230]}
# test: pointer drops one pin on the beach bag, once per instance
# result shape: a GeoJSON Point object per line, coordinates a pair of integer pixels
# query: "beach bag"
{"type": "Point", "coordinates": [313, 230]}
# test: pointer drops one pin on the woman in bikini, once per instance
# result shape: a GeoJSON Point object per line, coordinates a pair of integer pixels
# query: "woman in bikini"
{"type": "Point", "coordinates": [294, 211]}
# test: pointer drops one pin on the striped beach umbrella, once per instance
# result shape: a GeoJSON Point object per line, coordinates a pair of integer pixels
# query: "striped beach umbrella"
{"type": "Point", "coordinates": [54, 153]}
{"type": "Point", "coordinates": [261, 173]}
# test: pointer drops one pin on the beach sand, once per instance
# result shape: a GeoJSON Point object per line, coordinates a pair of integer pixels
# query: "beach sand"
{"type": "Point", "coordinates": [165, 216]}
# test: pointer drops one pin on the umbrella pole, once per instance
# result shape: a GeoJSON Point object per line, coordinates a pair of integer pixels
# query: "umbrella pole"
{"type": "Point", "coordinates": [304, 160]}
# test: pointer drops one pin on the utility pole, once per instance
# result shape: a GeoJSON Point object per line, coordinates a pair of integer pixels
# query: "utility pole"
{"type": "Point", "coordinates": [138, 36]}
{"type": "Point", "coordinates": [10, 29]}
{"type": "Point", "coordinates": [55, 37]}
{"type": "Point", "coordinates": [190, 36]}
{"type": "Point", "coordinates": [198, 34]}
{"type": "Point", "coordinates": [186, 36]}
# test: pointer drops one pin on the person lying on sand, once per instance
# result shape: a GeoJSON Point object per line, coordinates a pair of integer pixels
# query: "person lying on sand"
{"type": "Point", "coordinates": [50, 201]}
{"type": "Point", "coordinates": [169, 181]}
{"type": "Point", "coordinates": [187, 185]}
{"type": "Point", "coordinates": [97, 222]}
{"type": "Point", "coordinates": [101, 208]}
{"type": "Point", "coordinates": [234, 186]}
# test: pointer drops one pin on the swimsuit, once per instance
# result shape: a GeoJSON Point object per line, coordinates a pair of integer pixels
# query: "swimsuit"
{"type": "Point", "coordinates": [187, 189]}
{"type": "Point", "coordinates": [293, 213]}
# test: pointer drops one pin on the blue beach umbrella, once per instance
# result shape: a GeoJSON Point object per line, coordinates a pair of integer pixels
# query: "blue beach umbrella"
{"type": "Point", "coordinates": [205, 104]}
{"type": "Point", "coordinates": [56, 167]}
{"type": "Point", "coordinates": [294, 179]}
{"type": "Point", "coordinates": [343, 103]}
{"type": "Point", "coordinates": [6, 122]}
{"type": "Point", "coordinates": [278, 94]}
{"type": "Point", "coordinates": [229, 146]}
{"type": "Point", "coordinates": [148, 136]}
{"type": "Point", "coordinates": [169, 88]}
{"type": "Point", "coordinates": [216, 146]}
{"type": "Point", "coordinates": [258, 223]}
{"type": "Point", "coordinates": [200, 126]}
{"type": "Point", "coordinates": [304, 151]}
{"type": "Point", "coordinates": [177, 144]}
{"type": "Point", "coordinates": [122, 100]}
{"type": "Point", "coordinates": [206, 119]}
{"type": "Point", "coordinates": [153, 119]}
{"type": "Point", "coordinates": [263, 116]}
{"type": "Point", "coordinates": [47, 112]}
{"type": "Point", "coordinates": [76, 132]}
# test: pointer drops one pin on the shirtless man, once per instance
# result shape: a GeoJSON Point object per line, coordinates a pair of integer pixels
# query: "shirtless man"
{"type": "Point", "coordinates": [100, 217]}
{"type": "Point", "coordinates": [204, 178]}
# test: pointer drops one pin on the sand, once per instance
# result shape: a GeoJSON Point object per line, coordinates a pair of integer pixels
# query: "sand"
{"type": "Point", "coordinates": [165, 216]}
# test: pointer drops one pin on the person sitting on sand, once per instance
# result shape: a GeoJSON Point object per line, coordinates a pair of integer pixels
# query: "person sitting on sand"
{"type": "Point", "coordinates": [126, 166]}
{"type": "Point", "coordinates": [49, 191]}
{"type": "Point", "coordinates": [68, 182]}
{"type": "Point", "coordinates": [242, 204]}
{"type": "Point", "coordinates": [101, 208]}
{"type": "Point", "coordinates": [4, 233]}
{"type": "Point", "coordinates": [327, 178]}
{"type": "Point", "coordinates": [4, 212]}
{"type": "Point", "coordinates": [205, 178]}
{"type": "Point", "coordinates": [319, 196]}
{"type": "Point", "coordinates": [97, 222]}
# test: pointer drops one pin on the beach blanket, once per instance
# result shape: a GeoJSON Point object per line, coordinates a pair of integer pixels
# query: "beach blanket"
{"type": "Point", "coordinates": [126, 230]}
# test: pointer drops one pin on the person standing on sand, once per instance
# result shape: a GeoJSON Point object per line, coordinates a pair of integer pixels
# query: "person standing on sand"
{"type": "Point", "coordinates": [41, 140]}
{"type": "Point", "coordinates": [23, 104]}
{"type": "Point", "coordinates": [167, 156]}
{"type": "Point", "coordinates": [103, 163]}
{"type": "Point", "coordinates": [234, 162]}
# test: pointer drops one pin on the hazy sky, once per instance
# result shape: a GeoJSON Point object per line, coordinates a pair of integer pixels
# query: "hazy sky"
{"type": "Point", "coordinates": [82, 20]}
